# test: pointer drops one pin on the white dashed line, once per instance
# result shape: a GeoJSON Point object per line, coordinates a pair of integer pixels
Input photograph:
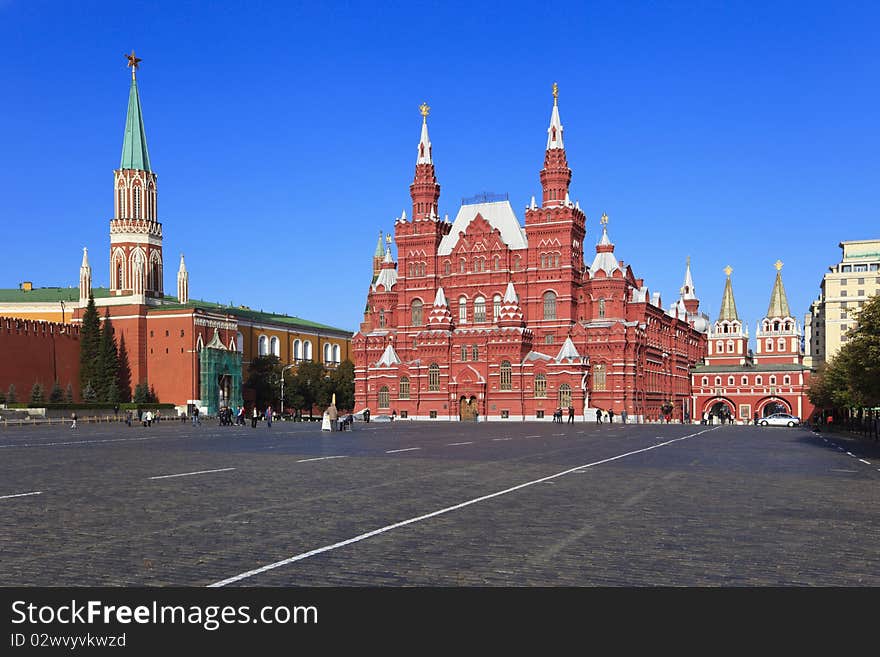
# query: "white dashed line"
{"type": "Point", "coordinates": [558, 434]}
{"type": "Point", "coordinates": [395, 451]}
{"type": "Point", "coordinates": [533, 436]}
{"type": "Point", "coordinates": [865, 462]}
{"type": "Point", "coordinates": [453, 444]}
{"type": "Point", "coordinates": [6, 497]}
{"type": "Point", "coordinates": [497, 439]}
{"type": "Point", "coordinates": [851, 454]}
{"type": "Point", "coordinates": [187, 474]}
{"type": "Point", "coordinates": [322, 458]}
{"type": "Point", "coordinates": [82, 442]}
{"type": "Point", "coordinates": [410, 521]}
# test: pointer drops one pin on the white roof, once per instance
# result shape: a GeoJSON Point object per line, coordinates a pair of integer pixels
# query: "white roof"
{"type": "Point", "coordinates": [499, 215]}
{"type": "Point", "coordinates": [568, 351]}
{"type": "Point", "coordinates": [389, 357]}
{"type": "Point", "coordinates": [387, 277]}
{"type": "Point", "coordinates": [440, 297]}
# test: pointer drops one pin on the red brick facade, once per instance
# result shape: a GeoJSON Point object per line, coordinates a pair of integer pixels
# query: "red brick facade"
{"type": "Point", "coordinates": [484, 317]}
{"type": "Point", "coordinates": [37, 352]}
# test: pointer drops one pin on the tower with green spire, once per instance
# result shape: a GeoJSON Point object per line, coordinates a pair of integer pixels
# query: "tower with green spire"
{"type": "Point", "coordinates": [136, 264]}
{"type": "Point", "coordinates": [729, 337]}
{"type": "Point", "coordinates": [779, 335]}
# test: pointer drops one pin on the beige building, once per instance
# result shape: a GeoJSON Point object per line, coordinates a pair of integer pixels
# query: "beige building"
{"type": "Point", "coordinates": [844, 290]}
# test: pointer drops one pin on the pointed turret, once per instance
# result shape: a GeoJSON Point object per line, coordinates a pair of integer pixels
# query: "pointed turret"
{"type": "Point", "coordinates": [688, 292]}
{"type": "Point", "coordinates": [511, 315]}
{"type": "Point", "coordinates": [134, 143]}
{"type": "Point", "coordinates": [555, 176]}
{"type": "Point", "coordinates": [440, 318]}
{"type": "Point", "coordinates": [728, 304]}
{"type": "Point", "coordinates": [389, 357]}
{"type": "Point", "coordinates": [778, 299]}
{"type": "Point", "coordinates": [425, 191]}
{"type": "Point", "coordinates": [604, 260]}
{"type": "Point", "coordinates": [182, 282]}
{"type": "Point", "coordinates": [568, 352]}
{"type": "Point", "coordinates": [85, 277]}
{"type": "Point", "coordinates": [378, 256]}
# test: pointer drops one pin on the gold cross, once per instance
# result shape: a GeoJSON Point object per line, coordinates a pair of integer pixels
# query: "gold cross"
{"type": "Point", "coordinates": [604, 219]}
{"type": "Point", "coordinates": [555, 93]}
{"type": "Point", "coordinates": [728, 270]}
{"type": "Point", "coordinates": [778, 265]}
{"type": "Point", "coordinates": [424, 109]}
{"type": "Point", "coordinates": [133, 62]}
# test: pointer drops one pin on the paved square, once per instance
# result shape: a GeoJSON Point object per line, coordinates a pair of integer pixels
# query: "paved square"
{"type": "Point", "coordinates": [404, 503]}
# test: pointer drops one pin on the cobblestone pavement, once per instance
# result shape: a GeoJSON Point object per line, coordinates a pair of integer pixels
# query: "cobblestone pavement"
{"type": "Point", "coordinates": [732, 506]}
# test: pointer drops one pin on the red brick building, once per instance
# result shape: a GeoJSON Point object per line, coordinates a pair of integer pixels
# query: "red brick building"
{"type": "Point", "coordinates": [484, 317]}
{"type": "Point", "coordinates": [739, 383]}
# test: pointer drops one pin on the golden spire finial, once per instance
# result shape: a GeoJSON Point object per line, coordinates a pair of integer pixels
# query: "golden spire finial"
{"type": "Point", "coordinates": [555, 93]}
{"type": "Point", "coordinates": [133, 63]}
{"type": "Point", "coordinates": [388, 239]}
{"type": "Point", "coordinates": [423, 110]}
{"type": "Point", "coordinates": [604, 219]}
{"type": "Point", "coordinates": [778, 265]}
{"type": "Point", "coordinates": [728, 270]}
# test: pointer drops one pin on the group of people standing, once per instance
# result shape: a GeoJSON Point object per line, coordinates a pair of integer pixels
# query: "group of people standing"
{"type": "Point", "coordinates": [724, 417]}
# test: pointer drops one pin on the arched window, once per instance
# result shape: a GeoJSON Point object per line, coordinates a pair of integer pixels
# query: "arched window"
{"type": "Point", "coordinates": [516, 263]}
{"type": "Point", "coordinates": [550, 305]}
{"type": "Point", "coordinates": [730, 381]}
{"type": "Point", "coordinates": [564, 395]}
{"type": "Point", "coordinates": [307, 350]}
{"type": "Point", "coordinates": [120, 273]}
{"type": "Point", "coordinates": [137, 201]}
{"type": "Point", "coordinates": [275, 346]}
{"type": "Point", "coordinates": [745, 380]}
{"type": "Point", "coordinates": [121, 202]}
{"type": "Point", "coordinates": [479, 310]}
{"type": "Point", "coordinates": [759, 380]}
{"type": "Point", "coordinates": [464, 352]}
{"type": "Point", "coordinates": [776, 325]}
{"type": "Point", "coordinates": [788, 326]}
{"type": "Point", "coordinates": [417, 312]}
{"type": "Point", "coordinates": [462, 310]}
{"type": "Point", "coordinates": [717, 380]}
{"type": "Point", "coordinates": [384, 397]}
{"type": "Point", "coordinates": [601, 308]}
{"type": "Point", "coordinates": [769, 344]}
{"type": "Point", "coordinates": [780, 344]}
{"type": "Point", "coordinates": [263, 346]}
{"type": "Point", "coordinates": [772, 380]}
{"type": "Point", "coordinates": [151, 202]}
{"type": "Point", "coordinates": [447, 268]}
{"type": "Point", "coordinates": [336, 353]}
{"type": "Point", "coordinates": [719, 347]}
{"type": "Point", "coordinates": [297, 349]}
{"type": "Point", "coordinates": [786, 380]}
{"type": "Point", "coordinates": [540, 385]}
{"type": "Point", "coordinates": [496, 263]}
{"type": "Point", "coordinates": [496, 307]}
{"type": "Point", "coordinates": [239, 342]}
{"type": "Point", "coordinates": [543, 261]}
{"type": "Point", "coordinates": [475, 353]}
{"type": "Point", "coordinates": [434, 378]}
{"type": "Point", "coordinates": [403, 388]}
{"type": "Point", "coordinates": [705, 380]}
{"type": "Point", "coordinates": [599, 382]}
{"type": "Point", "coordinates": [381, 318]}
{"type": "Point", "coordinates": [327, 352]}
{"type": "Point", "coordinates": [730, 346]}
{"type": "Point", "coordinates": [506, 378]}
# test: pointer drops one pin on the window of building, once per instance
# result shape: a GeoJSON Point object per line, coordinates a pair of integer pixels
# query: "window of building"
{"type": "Point", "coordinates": [549, 338]}
{"type": "Point", "coordinates": [239, 342]}
{"type": "Point", "coordinates": [505, 414]}
{"type": "Point", "coordinates": [705, 380]}
{"type": "Point", "coordinates": [417, 312]}
{"type": "Point", "coordinates": [719, 347]}
{"type": "Point", "coordinates": [275, 346]}
{"type": "Point", "coordinates": [786, 380]}
{"type": "Point", "coordinates": [475, 353]}
{"type": "Point", "coordinates": [327, 353]}
{"type": "Point", "coordinates": [403, 388]}
{"type": "Point", "coordinates": [601, 308]}
{"type": "Point", "coordinates": [307, 350]}
{"type": "Point", "coordinates": [462, 266]}
{"type": "Point", "coordinates": [717, 380]}
{"type": "Point", "coordinates": [263, 346]}
{"type": "Point", "coordinates": [730, 346]}
{"type": "Point", "coordinates": [599, 377]}
{"type": "Point", "coordinates": [564, 395]}
{"type": "Point", "coordinates": [772, 380]}
{"type": "Point", "coordinates": [768, 344]}
{"type": "Point", "coordinates": [381, 318]}
{"type": "Point", "coordinates": [539, 415]}
{"type": "Point", "coordinates": [549, 305]}
{"type": "Point", "coordinates": [336, 353]}
{"type": "Point", "coordinates": [384, 397]}
{"type": "Point", "coordinates": [843, 293]}
{"type": "Point", "coordinates": [297, 349]}
{"type": "Point", "coordinates": [759, 380]}
{"type": "Point", "coordinates": [543, 261]}
{"type": "Point", "coordinates": [516, 263]}
{"type": "Point", "coordinates": [137, 202]}
{"type": "Point", "coordinates": [861, 293]}
{"type": "Point", "coordinates": [730, 381]}
{"type": "Point", "coordinates": [540, 385]}
{"type": "Point", "coordinates": [496, 307]}
{"type": "Point", "coordinates": [479, 310]}
{"type": "Point", "coordinates": [447, 268]}
{"type": "Point", "coordinates": [434, 377]}
{"type": "Point", "coordinates": [506, 376]}
{"type": "Point", "coordinates": [780, 344]}
{"type": "Point", "coordinates": [464, 352]}
{"type": "Point", "coordinates": [462, 310]}
{"type": "Point", "coordinates": [745, 380]}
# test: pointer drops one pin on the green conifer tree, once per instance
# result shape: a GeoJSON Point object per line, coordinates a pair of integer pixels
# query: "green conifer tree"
{"type": "Point", "coordinates": [68, 393]}
{"type": "Point", "coordinates": [123, 379]}
{"type": "Point", "coordinates": [57, 394]}
{"type": "Point", "coordinates": [37, 393]}
{"type": "Point", "coordinates": [10, 394]}
{"type": "Point", "coordinates": [107, 370]}
{"type": "Point", "coordinates": [89, 347]}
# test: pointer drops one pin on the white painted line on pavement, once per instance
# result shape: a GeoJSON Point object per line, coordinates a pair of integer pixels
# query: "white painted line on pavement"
{"type": "Point", "coordinates": [395, 451]}
{"type": "Point", "coordinates": [497, 439]}
{"type": "Point", "coordinates": [322, 458]}
{"type": "Point", "coordinates": [6, 497]}
{"type": "Point", "coordinates": [533, 436]}
{"type": "Point", "coordinates": [187, 474]}
{"type": "Point", "coordinates": [410, 521]}
{"type": "Point", "coordinates": [558, 434]}
{"type": "Point", "coordinates": [851, 454]}
{"type": "Point", "coordinates": [452, 444]}
{"type": "Point", "coordinates": [82, 442]}
{"type": "Point", "coordinates": [865, 462]}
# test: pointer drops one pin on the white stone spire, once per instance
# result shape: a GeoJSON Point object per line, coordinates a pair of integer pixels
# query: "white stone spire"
{"type": "Point", "coordinates": [182, 282]}
{"type": "Point", "coordinates": [687, 289]}
{"type": "Point", "coordinates": [554, 132]}
{"type": "Point", "coordinates": [510, 293]}
{"type": "Point", "coordinates": [440, 298]}
{"type": "Point", "coordinates": [85, 277]}
{"type": "Point", "coordinates": [424, 148]}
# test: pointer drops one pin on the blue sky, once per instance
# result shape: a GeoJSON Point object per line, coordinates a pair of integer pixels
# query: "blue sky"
{"type": "Point", "coordinates": [284, 135]}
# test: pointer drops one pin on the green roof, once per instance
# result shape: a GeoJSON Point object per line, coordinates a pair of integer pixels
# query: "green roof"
{"type": "Point", "coordinates": [247, 313]}
{"type": "Point", "coordinates": [48, 294]}
{"type": "Point", "coordinates": [134, 145]}
{"type": "Point", "coordinates": [778, 300]}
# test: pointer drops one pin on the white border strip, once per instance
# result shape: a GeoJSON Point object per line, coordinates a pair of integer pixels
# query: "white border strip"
{"type": "Point", "coordinates": [408, 449]}
{"type": "Point", "coordinates": [187, 474]}
{"type": "Point", "coordinates": [397, 525]}
{"type": "Point", "coordinates": [322, 458]}
{"type": "Point", "coordinates": [6, 497]}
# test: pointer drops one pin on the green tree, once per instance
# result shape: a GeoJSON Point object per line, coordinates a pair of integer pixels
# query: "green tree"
{"type": "Point", "coordinates": [309, 386]}
{"type": "Point", "coordinates": [264, 378]}
{"type": "Point", "coordinates": [37, 393]}
{"type": "Point", "coordinates": [152, 397]}
{"type": "Point", "coordinates": [68, 393]}
{"type": "Point", "coordinates": [89, 394]}
{"type": "Point", "coordinates": [89, 347]}
{"type": "Point", "coordinates": [10, 394]}
{"type": "Point", "coordinates": [141, 393]}
{"type": "Point", "coordinates": [57, 394]}
{"type": "Point", "coordinates": [107, 368]}
{"type": "Point", "coordinates": [123, 380]}
{"type": "Point", "coordinates": [341, 382]}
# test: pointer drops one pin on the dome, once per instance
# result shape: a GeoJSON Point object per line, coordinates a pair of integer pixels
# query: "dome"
{"type": "Point", "coordinates": [701, 324]}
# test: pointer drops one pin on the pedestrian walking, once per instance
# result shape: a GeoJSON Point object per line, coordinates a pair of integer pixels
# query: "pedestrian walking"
{"type": "Point", "coordinates": [598, 416]}
{"type": "Point", "coordinates": [623, 416]}
{"type": "Point", "coordinates": [73, 417]}
{"type": "Point", "coordinates": [269, 416]}
{"type": "Point", "coordinates": [610, 416]}
{"type": "Point", "coordinates": [254, 417]}
{"type": "Point", "coordinates": [128, 417]}
{"type": "Point", "coordinates": [195, 416]}
{"type": "Point", "coordinates": [570, 414]}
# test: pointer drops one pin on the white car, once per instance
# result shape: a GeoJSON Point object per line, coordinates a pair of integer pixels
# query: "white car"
{"type": "Point", "coordinates": [780, 420]}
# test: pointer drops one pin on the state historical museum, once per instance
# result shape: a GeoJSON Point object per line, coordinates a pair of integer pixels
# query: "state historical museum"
{"type": "Point", "coordinates": [483, 318]}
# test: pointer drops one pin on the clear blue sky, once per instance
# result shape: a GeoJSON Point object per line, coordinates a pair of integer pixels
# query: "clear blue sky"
{"type": "Point", "coordinates": [284, 135]}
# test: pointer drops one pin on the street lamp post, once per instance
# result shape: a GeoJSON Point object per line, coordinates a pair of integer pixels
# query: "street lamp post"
{"type": "Point", "coordinates": [283, 370]}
